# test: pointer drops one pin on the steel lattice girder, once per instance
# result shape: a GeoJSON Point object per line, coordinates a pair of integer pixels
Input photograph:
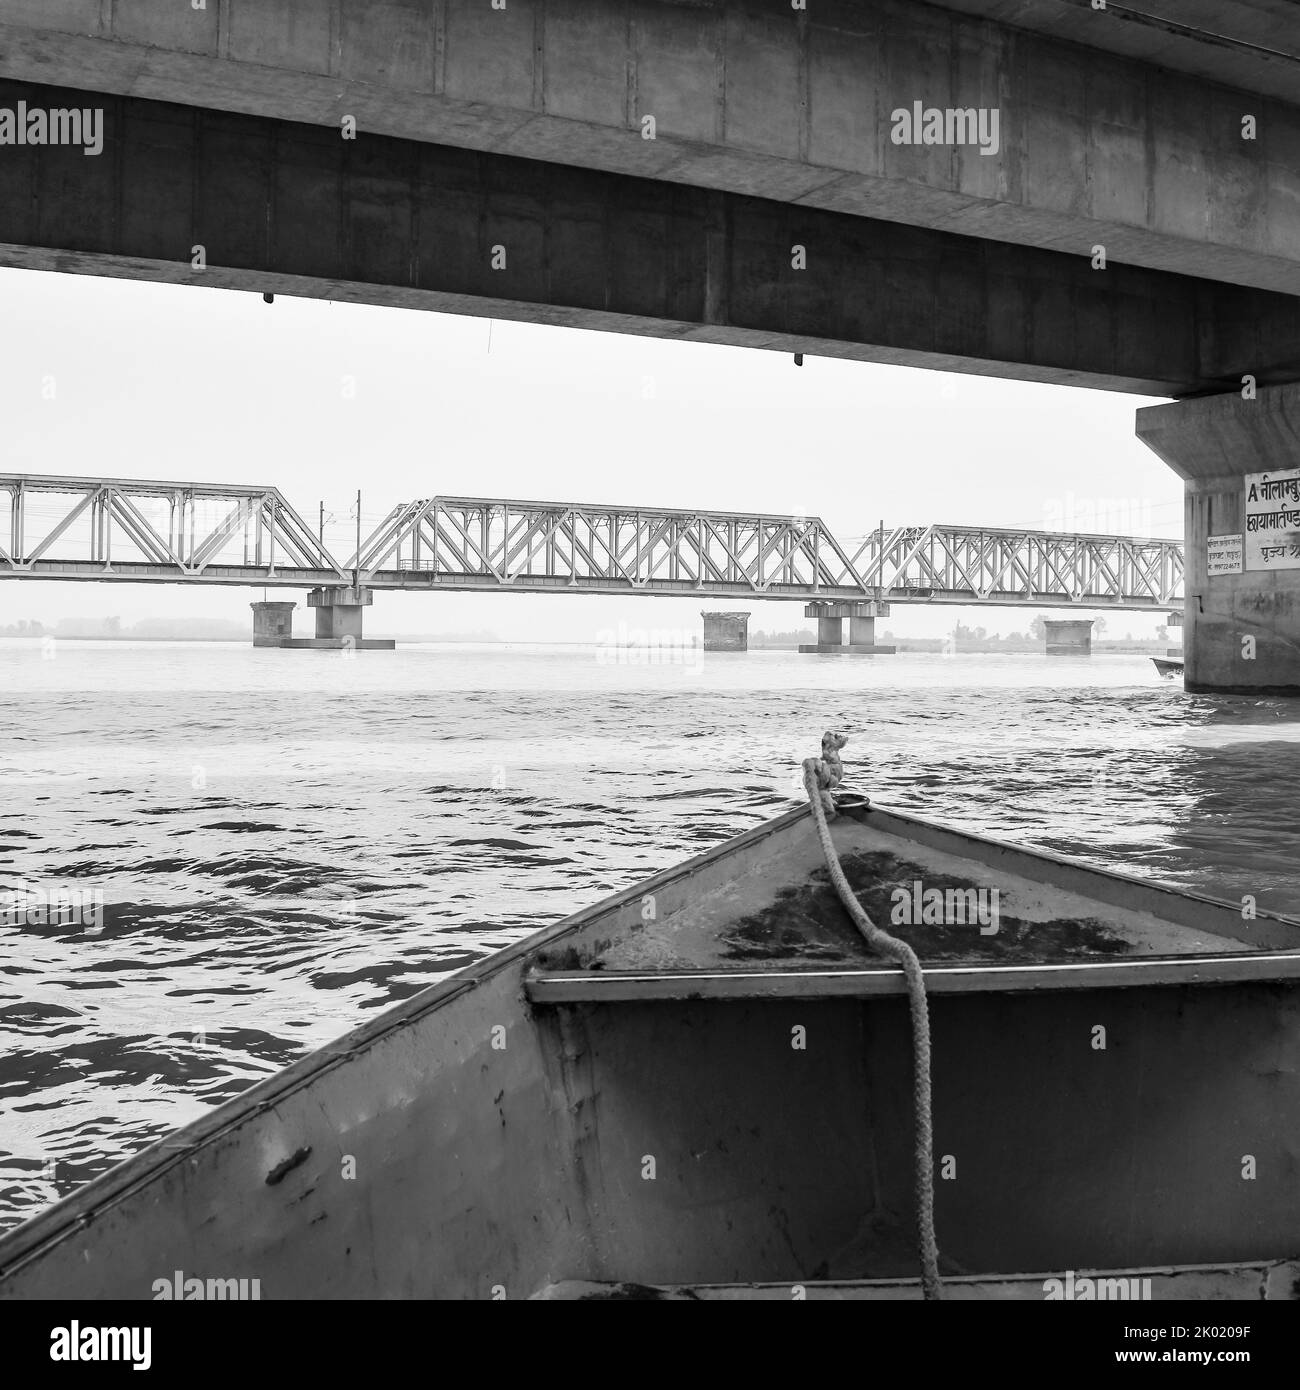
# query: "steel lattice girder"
{"type": "Point", "coordinates": [503, 543]}
{"type": "Point", "coordinates": [988, 565]}
{"type": "Point", "coordinates": [498, 544]}
{"type": "Point", "coordinates": [193, 526]}
{"type": "Point", "coordinates": [655, 550]}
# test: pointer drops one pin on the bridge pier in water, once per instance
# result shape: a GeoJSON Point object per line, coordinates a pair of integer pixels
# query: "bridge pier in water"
{"type": "Point", "coordinates": [1239, 458]}
{"type": "Point", "coordinates": [272, 623]}
{"type": "Point", "coordinates": [1175, 636]}
{"type": "Point", "coordinates": [1069, 636]}
{"type": "Point", "coordinates": [339, 612]}
{"type": "Point", "coordinates": [861, 617]}
{"type": "Point", "coordinates": [726, 632]}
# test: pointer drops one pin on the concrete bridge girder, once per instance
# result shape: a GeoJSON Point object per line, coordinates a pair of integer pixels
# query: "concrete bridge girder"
{"type": "Point", "coordinates": [1100, 142]}
{"type": "Point", "coordinates": [300, 211]}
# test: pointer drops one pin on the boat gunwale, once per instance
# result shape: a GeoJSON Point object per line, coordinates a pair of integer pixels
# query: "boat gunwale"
{"type": "Point", "coordinates": [28, 1240]}
{"type": "Point", "coordinates": [552, 987]}
{"type": "Point", "coordinates": [1262, 1267]}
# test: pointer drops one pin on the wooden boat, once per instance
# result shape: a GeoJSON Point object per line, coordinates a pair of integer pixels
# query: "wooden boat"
{"type": "Point", "coordinates": [701, 1088]}
{"type": "Point", "coordinates": [1168, 666]}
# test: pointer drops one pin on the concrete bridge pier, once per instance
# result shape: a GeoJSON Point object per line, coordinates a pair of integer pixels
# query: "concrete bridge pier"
{"type": "Point", "coordinates": [339, 612]}
{"type": "Point", "coordinates": [1239, 458]}
{"type": "Point", "coordinates": [726, 632]}
{"type": "Point", "coordinates": [1069, 636]}
{"type": "Point", "coordinates": [830, 631]}
{"type": "Point", "coordinates": [861, 618]}
{"type": "Point", "coordinates": [1175, 623]}
{"type": "Point", "coordinates": [862, 632]}
{"type": "Point", "coordinates": [272, 623]}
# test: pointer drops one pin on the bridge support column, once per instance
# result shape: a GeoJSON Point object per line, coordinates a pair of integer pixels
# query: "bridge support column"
{"type": "Point", "coordinates": [1069, 636]}
{"type": "Point", "coordinates": [272, 623]}
{"type": "Point", "coordinates": [830, 633]}
{"type": "Point", "coordinates": [726, 632]}
{"type": "Point", "coordinates": [862, 628]}
{"type": "Point", "coordinates": [1241, 535]}
{"type": "Point", "coordinates": [1175, 636]}
{"type": "Point", "coordinates": [338, 621]}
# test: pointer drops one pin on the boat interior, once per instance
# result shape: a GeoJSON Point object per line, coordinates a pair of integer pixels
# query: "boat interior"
{"type": "Point", "coordinates": [702, 1088]}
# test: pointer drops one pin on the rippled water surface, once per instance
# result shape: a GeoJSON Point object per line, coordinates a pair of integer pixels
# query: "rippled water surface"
{"type": "Point", "coordinates": [286, 842]}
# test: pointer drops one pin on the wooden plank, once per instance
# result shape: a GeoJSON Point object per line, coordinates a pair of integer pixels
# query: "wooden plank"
{"type": "Point", "coordinates": [619, 986]}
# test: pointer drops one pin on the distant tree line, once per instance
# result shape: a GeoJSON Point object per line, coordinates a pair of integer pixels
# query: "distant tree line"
{"type": "Point", "coordinates": [148, 629]}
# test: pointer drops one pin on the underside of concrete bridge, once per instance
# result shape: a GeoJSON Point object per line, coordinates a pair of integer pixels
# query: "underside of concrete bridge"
{"type": "Point", "coordinates": [213, 199]}
{"type": "Point", "coordinates": [1105, 197]}
{"type": "Point", "coordinates": [1120, 125]}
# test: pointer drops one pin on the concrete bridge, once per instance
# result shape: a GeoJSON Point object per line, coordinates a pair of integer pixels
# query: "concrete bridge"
{"type": "Point", "coordinates": [1100, 197]}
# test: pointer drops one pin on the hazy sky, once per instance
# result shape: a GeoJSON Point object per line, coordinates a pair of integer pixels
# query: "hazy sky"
{"type": "Point", "coordinates": [180, 383]}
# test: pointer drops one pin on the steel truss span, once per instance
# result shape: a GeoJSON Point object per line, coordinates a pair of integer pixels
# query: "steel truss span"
{"type": "Point", "coordinates": [982, 565]}
{"type": "Point", "coordinates": [492, 543]}
{"type": "Point", "coordinates": [133, 530]}
{"type": "Point", "coordinates": [136, 531]}
{"type": "Point", "coordinates": [478, 542]}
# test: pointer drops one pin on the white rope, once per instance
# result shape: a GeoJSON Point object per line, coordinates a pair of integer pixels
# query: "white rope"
{"type": "Point", "coordinates": [820, 776]}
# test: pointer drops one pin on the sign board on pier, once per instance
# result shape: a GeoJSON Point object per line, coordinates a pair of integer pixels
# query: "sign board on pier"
{"type": "Point", "coordinates": [1223, 555]}
{"type": "Point", "coordinates": [1271, 520]}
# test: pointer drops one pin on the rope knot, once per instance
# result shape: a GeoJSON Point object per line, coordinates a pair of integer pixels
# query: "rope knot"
{"type": "Point", "coordinates": [827, 772]}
